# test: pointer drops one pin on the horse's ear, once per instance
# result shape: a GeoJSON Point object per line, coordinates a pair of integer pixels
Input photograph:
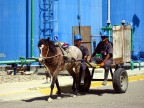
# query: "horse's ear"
{"type": "Point", "coordinates": [48, 39]}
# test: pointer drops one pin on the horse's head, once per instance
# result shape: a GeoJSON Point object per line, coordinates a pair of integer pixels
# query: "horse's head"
{"type": "Point", "coordinates": [46, 47]}
{"type": "Point", "coordinates": [43, 47]}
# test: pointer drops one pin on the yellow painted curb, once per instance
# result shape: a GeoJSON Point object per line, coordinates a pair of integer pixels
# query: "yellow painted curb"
{"type": "Point", "coordinates": [135, 78]}
{"type": "Point", "coordinates": [46, 91]}
{"type": "Point", "coordinates": [131, 78]}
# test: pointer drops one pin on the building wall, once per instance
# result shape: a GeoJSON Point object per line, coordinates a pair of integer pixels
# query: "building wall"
{"type": "Point", "coordinates": [15, 22]}
{"type": "Point", "coordinates": [132, 12]}
{"type": "Point", "coordinates": [12, 29]}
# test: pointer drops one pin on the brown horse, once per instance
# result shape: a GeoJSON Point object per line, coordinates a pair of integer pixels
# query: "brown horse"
{"type": "Point", "coordinates": [52, 57]}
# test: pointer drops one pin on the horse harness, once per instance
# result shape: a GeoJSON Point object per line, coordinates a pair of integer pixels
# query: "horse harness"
{"type": "Point", "coordinates": [54, 59]}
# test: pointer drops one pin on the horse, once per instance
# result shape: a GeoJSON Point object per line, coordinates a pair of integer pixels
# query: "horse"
{"type": "Point", "coordinates": [52, 56]}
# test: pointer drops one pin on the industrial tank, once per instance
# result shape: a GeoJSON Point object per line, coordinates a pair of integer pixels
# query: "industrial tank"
{"type": "Point", "coordinates": [22, 23]}
{"type": "Point", "coordinates": [132, 12]}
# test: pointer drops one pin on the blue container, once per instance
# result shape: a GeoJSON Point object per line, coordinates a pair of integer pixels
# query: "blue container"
{"type": "Point", "coordinates": [12, 29]}
{"type": "Point", "coordinates": [132, 12]}
{"type": "Point", "coordinates": [15, 22]}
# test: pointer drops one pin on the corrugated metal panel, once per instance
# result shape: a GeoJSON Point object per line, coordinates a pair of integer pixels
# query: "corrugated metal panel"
{"type": "Point", "coordinates": [90, 11]}
{"type": "Point", "coordinates": [12, 29]}
{"type": "Point", "coordinates": [132, 12]}
{"type": "Point", "coordinates": [15, 24]}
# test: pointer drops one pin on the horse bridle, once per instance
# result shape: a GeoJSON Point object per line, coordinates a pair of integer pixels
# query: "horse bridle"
{"type": "Point", "coordinates": [42, 46]}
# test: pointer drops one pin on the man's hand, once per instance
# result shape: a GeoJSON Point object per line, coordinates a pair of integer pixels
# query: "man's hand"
{"type": "Point", "coordinates": [102, 64]}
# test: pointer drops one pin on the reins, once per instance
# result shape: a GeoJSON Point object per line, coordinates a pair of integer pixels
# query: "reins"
{"type": "Point", "coordinates": [54, 61]}
{"type": "Point", "coordinates": [50, 56]}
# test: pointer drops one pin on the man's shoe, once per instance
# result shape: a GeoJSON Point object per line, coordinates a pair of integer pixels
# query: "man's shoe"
{"type": "Point", "coordinates": [104, 83]}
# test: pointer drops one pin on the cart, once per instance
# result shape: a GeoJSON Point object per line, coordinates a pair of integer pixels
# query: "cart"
{"type": "Point", "coordinates": [119, 78]}
{"type": "Point", "coordinates": [121, 54]}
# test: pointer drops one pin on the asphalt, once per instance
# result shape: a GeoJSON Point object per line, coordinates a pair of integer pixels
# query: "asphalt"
{"type": "Point", "coordinates": [39, 88]}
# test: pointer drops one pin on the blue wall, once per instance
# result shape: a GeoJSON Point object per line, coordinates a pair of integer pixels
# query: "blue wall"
{"type": "Point", "coordinates": [15, 22]}
{"type": "Point", "coordinates": [90, 11]}
{"type": "Point", "coordinates": [12, 29]}
{"type": "Point", "coordinates": [132, 12]}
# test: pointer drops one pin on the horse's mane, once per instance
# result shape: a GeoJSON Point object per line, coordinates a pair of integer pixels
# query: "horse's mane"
{"type": "Point", "coordinates": [49, 43]}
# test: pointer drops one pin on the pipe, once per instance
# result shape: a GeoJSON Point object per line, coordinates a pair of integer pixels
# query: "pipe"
{"type": "Point", "coordinates": [32, 28]}
{"type": "Point", "coordinates": [55, 19]}
{"type": "Point", "coordinates": [27, 28]}
{"type": "Point", "coordinates": [79, 17]}
{"type": "Point", "coordinates": [106, 28]}
{"type": "Point", "coordinates": [108, 17]}
{"type": "Point", "coordinates": [131, 39]}
{"type": "Point", "coordinates": [18, 61]}
{"type": "Point", "coordinates": [108, 12]}
{"type": "Point", "coordinates": [44, 17]}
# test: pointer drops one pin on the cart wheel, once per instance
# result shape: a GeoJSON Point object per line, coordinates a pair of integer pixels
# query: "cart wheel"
{"type": "Point", "coordinates": [120, 80]}
{"type": "Point", "coordinates": [87, 81]}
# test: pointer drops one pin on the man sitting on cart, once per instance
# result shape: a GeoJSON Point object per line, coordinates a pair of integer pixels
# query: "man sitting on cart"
{"type": "Point", "coordinates": [105, 49]}
{"type": "Point", "coordinates": [84, 49]}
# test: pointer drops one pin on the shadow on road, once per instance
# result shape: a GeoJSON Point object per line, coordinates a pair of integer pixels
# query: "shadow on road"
{"type": "Point", "coordinates": [100, 92]}
{"type": "Point", "coordinates": [67, 92]}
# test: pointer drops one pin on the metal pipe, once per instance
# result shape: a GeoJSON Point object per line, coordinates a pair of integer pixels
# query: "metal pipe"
{"type": "Point", "coordinates": [79, 17]}
{"type": "Point", "coordinates": [108, 17]}
{"type": "Point", "coordinates": [131, 39]}
{"type": "Point", "coordinates": [18, 61]}
{"type": "Point", "coordinates": [108, 12]}
{"type": "Point", "coordinates": [27, 28]}
{"type": "Point", "coordinates": [106, 28]}
{"type": "Point", "coordinates": [55, 19]}
{"type": "Point", "coordinates": [32, 28]}
{"type": "Point", "coordinates": [44, 17]}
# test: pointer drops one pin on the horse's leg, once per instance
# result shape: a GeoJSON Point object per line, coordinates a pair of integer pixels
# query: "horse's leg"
{"type": "Point", "coordinates": [54, 78]}
{"type": "Point", "coordinates": [77, 70]}
{"type": "Point", "coordinates": [72, 73]}
{"type": "Point", "coordinates": [74, 82]}
{"type": "Point", "coordinates": [75, 79]}
{"type": "Point", "coordinates": [58, 88]}
{"type": "Point", "coordinates": [52, 87]}
{"type": "Point", "coordinates": [47, 74]}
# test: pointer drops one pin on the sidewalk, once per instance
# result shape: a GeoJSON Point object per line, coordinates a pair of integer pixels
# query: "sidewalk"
{"type": "Point", "coordinates": [34, 88]}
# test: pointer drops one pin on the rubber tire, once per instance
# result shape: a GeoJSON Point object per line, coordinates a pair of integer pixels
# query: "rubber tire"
{"type": "Point", "coordinates": [87, 81]}
{"type": "Point", "coordinates": [120, 80]}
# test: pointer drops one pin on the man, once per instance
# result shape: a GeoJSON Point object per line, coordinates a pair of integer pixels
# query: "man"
{"type": "Point", "coordinates": [85, 54]}
{"type": "Point", "coordinates": [84, 49]}
{"type": "Point", "coordinates": [104, 48]}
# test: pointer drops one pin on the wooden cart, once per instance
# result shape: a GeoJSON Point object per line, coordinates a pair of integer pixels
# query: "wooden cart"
{"type": "Point", "coordinates": [121, 54]}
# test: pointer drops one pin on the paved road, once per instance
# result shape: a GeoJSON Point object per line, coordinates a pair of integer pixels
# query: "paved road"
{"type": "Point", "coordinates": [100, 97]}
{"type": "Point", "coordinates": [37, 88]}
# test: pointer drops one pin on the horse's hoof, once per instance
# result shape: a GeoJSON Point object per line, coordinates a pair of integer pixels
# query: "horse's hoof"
{"type": "Point", "coordinates": [58, 97]}
{"type": "Point", "coordinates": [49, 99]}
{"type": "Point", "coordinates": [74, 96]}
